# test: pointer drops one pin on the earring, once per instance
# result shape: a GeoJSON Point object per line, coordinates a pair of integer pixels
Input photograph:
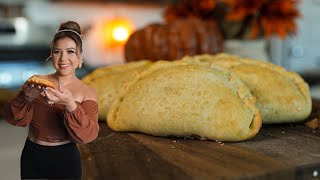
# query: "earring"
{"type": "Point", "coordinates": [80, 64]}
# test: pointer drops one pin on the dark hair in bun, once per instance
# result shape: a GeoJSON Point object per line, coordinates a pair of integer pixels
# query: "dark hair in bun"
{"type": "Point", "coordinates": [74, 33]}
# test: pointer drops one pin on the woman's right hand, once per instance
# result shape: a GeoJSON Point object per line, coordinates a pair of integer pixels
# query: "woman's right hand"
{"type": "Point", "coordinates": [30, 91]}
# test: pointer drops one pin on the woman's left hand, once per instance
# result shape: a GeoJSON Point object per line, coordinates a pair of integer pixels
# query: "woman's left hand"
{"type": "Point", "coordinates": [61, 96]}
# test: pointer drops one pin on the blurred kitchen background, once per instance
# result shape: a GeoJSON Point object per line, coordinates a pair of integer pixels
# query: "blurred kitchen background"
{"type": "Point", "coordinates": [27, 28]}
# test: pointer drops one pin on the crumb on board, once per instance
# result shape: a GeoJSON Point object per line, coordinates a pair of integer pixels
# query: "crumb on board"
{"type": "Point", "coordinates": [313, 123]}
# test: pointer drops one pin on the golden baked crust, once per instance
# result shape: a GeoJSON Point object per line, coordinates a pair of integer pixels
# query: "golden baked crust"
{"type": "Point", "coordinates": [184, 100]}
{"type": "Point", "coordinates": [41, 82]}
{"type": "Point", "coordinates": [110, 81]}
{"type": "Point", "coordinates": [282, 96]}
{"type": "Point", "coordinates": [104, 71]}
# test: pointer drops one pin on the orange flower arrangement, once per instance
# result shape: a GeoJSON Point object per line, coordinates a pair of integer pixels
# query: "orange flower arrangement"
{"type": "Point", "coordinates": [190, 8]}
{"type": "Point", "coordinates": [266, 16]}
{"type": "Point", "coordinates": [257, 17]}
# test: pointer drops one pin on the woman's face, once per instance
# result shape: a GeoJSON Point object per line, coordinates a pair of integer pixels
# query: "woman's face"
{"type": "Point", "coordinates": [65, 56]}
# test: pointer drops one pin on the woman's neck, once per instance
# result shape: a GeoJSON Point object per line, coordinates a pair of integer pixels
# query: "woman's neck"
{"type": "Point", "coordinates": [64, 80]}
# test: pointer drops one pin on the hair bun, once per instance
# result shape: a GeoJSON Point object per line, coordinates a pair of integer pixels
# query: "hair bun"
{"type": "Point", "coordinates": [71, 25]}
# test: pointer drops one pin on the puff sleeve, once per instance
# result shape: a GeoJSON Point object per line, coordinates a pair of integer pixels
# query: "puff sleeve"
{"type": "Point", "coordinates": [18, 111]}
{"type": "Point", "coordinates": [82, 123]}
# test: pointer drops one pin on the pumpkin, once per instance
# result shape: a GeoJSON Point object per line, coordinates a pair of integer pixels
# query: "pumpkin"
{"type": "Point", "coordinates": [174, 40]}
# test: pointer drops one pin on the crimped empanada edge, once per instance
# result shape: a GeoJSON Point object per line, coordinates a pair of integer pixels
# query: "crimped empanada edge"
{"type": "Point", "coordinates": [297, 80]}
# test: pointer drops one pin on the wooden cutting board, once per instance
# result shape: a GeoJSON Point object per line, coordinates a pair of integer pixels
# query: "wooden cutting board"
{"type": "Point", "coordinates": [289, 151]}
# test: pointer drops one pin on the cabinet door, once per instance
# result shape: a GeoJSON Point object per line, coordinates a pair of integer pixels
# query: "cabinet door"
{"type": "Point", "coordinates": [303, 50]}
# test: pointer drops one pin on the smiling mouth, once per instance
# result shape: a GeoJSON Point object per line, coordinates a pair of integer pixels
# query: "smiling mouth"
{"type": "Point", "coordinates": [64, 65]}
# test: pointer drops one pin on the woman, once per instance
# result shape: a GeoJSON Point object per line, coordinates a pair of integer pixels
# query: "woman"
{"type": "Point", "coordinates": [57, 118]}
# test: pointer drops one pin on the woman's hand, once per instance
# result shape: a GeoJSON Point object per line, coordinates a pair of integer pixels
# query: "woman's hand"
{"type": "Point", "coordinates": [30, 91]}
{"type": "Point", "coordinates": [61, 96]}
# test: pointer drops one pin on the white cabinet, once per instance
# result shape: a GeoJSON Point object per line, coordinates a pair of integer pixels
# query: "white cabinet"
{"type": "Point", "coordinates": [302, 52]}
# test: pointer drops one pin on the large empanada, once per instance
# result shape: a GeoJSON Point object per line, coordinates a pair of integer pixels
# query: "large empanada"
{"type": "Point", "coordinates": [282, 96]}
{"type": "Point", "coordinates": [175, 98]}
{"type": "Point", "coordinates": [109, 82]}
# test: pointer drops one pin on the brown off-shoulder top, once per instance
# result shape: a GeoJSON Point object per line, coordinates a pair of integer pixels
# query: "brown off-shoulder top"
{"type": "Point", "coordinates": [54, 123]}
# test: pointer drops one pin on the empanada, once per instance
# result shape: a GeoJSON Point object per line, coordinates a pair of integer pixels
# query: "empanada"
{"type": "Point", "coordinates": [282, 96]}
{"type": "Point", "coordinates": [110, 81]}
{"type": "Point", "coordinates": [41, 82]}
{"type": "Point", "coordinates": [175, 98]}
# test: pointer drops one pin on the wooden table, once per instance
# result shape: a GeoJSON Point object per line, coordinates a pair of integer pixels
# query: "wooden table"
{"type": "Point", "coordinates": [290, 151]}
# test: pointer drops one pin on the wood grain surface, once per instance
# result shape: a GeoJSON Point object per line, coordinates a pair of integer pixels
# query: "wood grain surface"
{"type": "Point", "coordinates": [287, 151]}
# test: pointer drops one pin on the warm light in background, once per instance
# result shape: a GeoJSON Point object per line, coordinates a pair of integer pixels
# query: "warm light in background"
{"type": "Point", "coordinates": [120, 34]}
{"type": "Point", "coordinates": [116, 32]}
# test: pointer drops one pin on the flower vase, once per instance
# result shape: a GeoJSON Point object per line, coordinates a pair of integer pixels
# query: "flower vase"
{"type": "Point", "coordinates": [253, 49]}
